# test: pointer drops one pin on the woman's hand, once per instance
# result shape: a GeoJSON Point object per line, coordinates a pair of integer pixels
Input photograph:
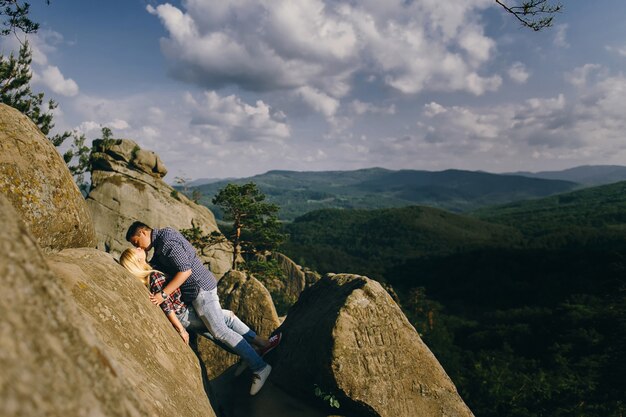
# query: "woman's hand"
{"type": "Point", "coordinates": [184, 335]}
{"type": "Point", "coordinates": [156, 299]}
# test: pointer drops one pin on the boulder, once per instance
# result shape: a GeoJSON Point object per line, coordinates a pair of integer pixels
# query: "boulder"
{"type": "Point", "coordinates": [347, 336]}
{"type": "Point", "coordinates": [34, 177]}
{"type": "Point", "coordinates": [127, 186]}
{"type": "Point", "coordinates": [252, 303]}
{"type": "Point", "coordinates": [295, 277]}
{"type": "Point", "coordinates": [134, 337]}
{"type": "Point", "coordinates": [311, 276]}
{"type": "Point", "coordinates": [72, 346]}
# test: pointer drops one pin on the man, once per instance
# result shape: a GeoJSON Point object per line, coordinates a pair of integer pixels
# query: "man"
{"type": "Point", "coordinates": [175, 256]}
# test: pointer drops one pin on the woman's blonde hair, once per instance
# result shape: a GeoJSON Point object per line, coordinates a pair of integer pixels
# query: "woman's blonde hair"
{"type": "Point", "coordinates": [130, 261]}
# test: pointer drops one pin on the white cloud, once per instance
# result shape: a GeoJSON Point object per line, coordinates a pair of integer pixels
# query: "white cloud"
{"type": "Point", "coordinates": [230, 118]}
{"type": "Point", "coordinates": [319, 101]}
{"type": "Point", "coordinates": [52, 78]}
{"type": "Point", "coordinates": [518, 73]}
{"type": "Point", "coordinates": [619, 50]}
{"type": "Point", "coordinates": [320, 44]}
{"type": "Point", "coordinates": [432, 109]}
{"type": "Point", "coordinates": [361, 108]}
{"type": "Point", "coordinates": [578, 77]}
{"type": "Point", "coordinates": [560, 37]}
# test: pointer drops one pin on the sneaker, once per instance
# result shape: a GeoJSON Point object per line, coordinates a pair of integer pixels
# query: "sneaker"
{"type": "Point", "coordinates": [273, 342]}
{"type": "Point", "coordinates": [241, 366]}
{"type": "Point", "coordinates": [259, 378]}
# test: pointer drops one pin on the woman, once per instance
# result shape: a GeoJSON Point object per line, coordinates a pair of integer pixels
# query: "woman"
{"type": "Point", "coordinates": [182, 316]}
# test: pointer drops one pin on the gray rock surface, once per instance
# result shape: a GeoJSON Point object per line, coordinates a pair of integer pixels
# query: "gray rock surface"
{"type": "Point", "coordinates": [34, 177]}
{"type": "Point", "coordinates": [252, 303]}
{"type": "Point", "coordinates": [74, 345]}
{"type": "Point", "coordinates": [127, 186]}
{"type": "Point", "coordinates": [141, 347]}
{"type": "Point", "coordinates": [346, 335]}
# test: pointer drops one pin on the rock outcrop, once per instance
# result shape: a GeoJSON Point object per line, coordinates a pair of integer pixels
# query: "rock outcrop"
{"type": "Point", "coordinates": [127, 185]}
{"type": "Point", "coordinates": [251, 302]}
{"type": "Point", "coordinates": [347, 336]}
{"type": "Point", "coordinates": [296, 280]}
{"type": "Point", "coordinates": [34, 177]}
{"type": "Point", "coordinates": [74, 347]}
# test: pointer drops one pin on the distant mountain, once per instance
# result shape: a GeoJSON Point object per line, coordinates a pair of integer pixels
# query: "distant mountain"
{"type": "Point", "coordinates": [455, 190]}
{"type": "Point", "coordinates": [593, 212]}
{"type": "Point", "coordinates": [586, 175]}
{"type": "Point", "coordinates": [203, 181]}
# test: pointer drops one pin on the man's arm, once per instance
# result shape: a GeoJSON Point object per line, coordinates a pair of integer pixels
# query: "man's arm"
{"type": "Point", "coordinates": [172, 286]}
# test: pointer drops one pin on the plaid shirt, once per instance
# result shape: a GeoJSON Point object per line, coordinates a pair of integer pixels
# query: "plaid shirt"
{"type": "Point", "coordinates": [174, 301]}
{"type": "Point", "coordinates": [172, 254]}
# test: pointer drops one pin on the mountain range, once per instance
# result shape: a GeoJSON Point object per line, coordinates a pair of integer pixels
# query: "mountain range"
{"type": "Point", "coordinates": [458, 191]}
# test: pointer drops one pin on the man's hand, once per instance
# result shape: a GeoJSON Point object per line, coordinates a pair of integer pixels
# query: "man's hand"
{"type": "Point", "coordinates": [156, 299]}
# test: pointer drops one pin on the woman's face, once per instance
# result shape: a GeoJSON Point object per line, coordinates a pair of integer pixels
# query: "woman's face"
{"type": "Point", "coordinates": [141, 255]}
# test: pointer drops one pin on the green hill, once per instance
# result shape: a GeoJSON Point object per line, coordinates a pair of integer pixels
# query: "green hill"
{"type": "Point", "coordinates": [298, 193]}
{"type": "Point", "coordinates": [575, 216]}
{"type": "Point", "coordinates": [523, 304]}
{"type": "Point", "coordinates": [369, 241]}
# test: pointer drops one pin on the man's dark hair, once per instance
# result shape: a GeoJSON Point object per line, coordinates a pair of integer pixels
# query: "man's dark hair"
{"type": "Point", "coordinates": [135, 228]}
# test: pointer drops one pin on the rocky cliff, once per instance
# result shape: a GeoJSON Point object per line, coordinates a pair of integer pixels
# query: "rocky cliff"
{"type": "Point", "coordinates": [35, 179]}
{"type": "Point", "coordinates": [127, 185]}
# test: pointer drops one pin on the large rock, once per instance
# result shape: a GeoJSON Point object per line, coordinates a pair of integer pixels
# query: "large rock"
{"type": "Point", "coordinates": [347, 336]}
{"type": "Point", "coordinates": [127, 186]}
{"type": "Point", "coordinates": [35, 179]}
{"type": "Point", "coordinates": [252, 303]}
{"type": "Point", "coordinates": [134, 338]}
{"type": "Point", "coordinates": [67, 350]}
{"type": "Point", "coordinates": [295, 278]}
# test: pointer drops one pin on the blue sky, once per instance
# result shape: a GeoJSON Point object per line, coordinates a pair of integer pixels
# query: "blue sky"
{"type": "Point", "coordinates": [236, 88]}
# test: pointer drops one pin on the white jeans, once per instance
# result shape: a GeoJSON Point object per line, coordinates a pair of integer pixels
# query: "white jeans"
{"type": "Point", "coordinates": [207, 306]}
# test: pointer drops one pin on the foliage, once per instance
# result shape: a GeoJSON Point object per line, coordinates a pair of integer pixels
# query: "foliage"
{"type": "Point", "coordinates": [328, 398]}
{"type": "Point", "coordinates": [274, 279]}
{"type": "Point", "coordinates": [529, 320]}
{"type": "Point", "coordinates": [245, 205]}
{"type": "Point", "coordinates": [200, 240]}
{"type": "Point", "coordinates": [534, 14]}
{"type": "Point", "coordinates": [14, 15]}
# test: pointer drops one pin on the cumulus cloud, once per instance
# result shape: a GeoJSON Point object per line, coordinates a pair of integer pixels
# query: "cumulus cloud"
{"type": "Point", "coordinates": [588, 124]}
{"type": "Point", "coordinates": [320, 45]}
{"type": "Point", "coordinates": [319, 101]}
{"type": "Point", "coordinates": [518, 73]}
{"type": "Point", "coordinates": [52, 78]}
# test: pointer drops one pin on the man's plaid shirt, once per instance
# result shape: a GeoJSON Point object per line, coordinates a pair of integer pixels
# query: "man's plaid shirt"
{"type": "Point", "coordinates": [172, 254]}
{"type": "Point", "coordinates": [174, 302]}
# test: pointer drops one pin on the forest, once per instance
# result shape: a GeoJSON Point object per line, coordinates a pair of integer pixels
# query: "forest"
{"type": "Point", "coordinates": [523, 304]}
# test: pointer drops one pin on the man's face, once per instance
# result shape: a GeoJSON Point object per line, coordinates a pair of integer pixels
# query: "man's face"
{"type": "Point", "coordinates": [142, 240]}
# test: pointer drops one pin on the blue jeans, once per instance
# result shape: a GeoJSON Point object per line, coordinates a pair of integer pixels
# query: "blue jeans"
{"type": "Point", "coordinates": [207, 306]}
{"type": "Point", "coordinates": [192, 322]}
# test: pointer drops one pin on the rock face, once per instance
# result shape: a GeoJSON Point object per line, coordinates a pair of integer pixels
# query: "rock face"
{"type": "Point", "coordinates": [252, 303]}
{"type": "Point", "coordinates": [69, 347]}
{"type": "Point", "coordinates": [35, 179]}
{"type": "Point", "coordinates": [135, 339]}
{"type": "Point", "coordinates": [296, 280]}
{"type": "Point", "coordinates": [365, 353]}
{"type": "Point", "coordinates": [127, 186]}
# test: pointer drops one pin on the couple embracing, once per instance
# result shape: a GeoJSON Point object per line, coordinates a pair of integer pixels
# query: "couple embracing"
{"type": "Point", "coordinates": [186, 291]}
